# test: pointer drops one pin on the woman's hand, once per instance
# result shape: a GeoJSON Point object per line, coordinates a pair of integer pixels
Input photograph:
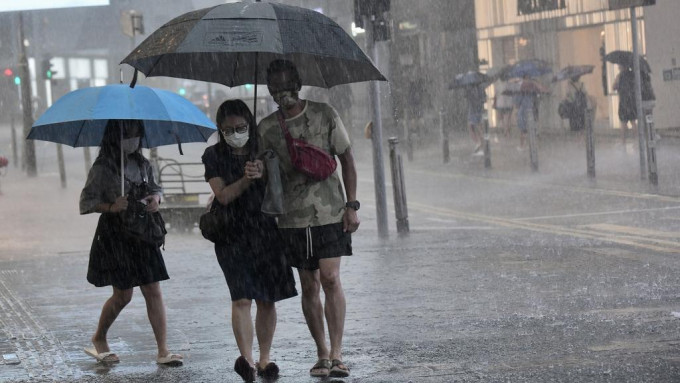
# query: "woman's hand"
{"type": "Point", "coordinates": [152, 202]}
{"type": "Point", "coordinates": [118, 206]}
{"type": "Point", "coordinates": [253, 169]}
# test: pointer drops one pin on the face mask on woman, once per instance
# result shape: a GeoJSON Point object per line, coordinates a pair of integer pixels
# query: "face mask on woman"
{"type": "Point", "coordinates": [236, 139]}
{"type": "Point", "coordinates": [129, 145]}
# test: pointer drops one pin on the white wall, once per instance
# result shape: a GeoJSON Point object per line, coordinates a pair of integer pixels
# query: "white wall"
{"type": "Point", "coordinates": [662, 27]}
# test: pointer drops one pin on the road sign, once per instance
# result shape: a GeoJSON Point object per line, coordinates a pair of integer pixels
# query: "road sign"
{"type": "Point", "coordinates": [624, 4]}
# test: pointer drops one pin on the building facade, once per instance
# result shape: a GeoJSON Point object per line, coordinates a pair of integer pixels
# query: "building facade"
{"type": "Point", "coordinates": [580, 32]}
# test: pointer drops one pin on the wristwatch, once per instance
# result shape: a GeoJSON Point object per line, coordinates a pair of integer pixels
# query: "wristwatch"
{"type": "Point", "coordinates": [353, 205]}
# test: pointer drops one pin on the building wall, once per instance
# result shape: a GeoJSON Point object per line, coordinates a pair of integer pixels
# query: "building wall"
{"type": "Point", "coordinates": [663, 53]}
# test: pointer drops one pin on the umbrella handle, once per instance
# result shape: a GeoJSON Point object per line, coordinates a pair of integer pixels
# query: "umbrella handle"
{"type": "Point", "coordinates": [122, 164]}
{"type": "Point", "coordinates": [134, 79]}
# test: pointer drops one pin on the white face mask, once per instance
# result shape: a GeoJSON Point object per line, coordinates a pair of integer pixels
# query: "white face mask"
{"type": "Point", "coordinates": [236, 140]}
{"type": "Point", "coordinates": [129, 145]}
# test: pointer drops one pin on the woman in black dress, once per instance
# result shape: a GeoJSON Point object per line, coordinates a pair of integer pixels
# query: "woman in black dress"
{"type": "Point", "coordinates": [116, 258]}
{"type": "Point", "coordinates": [250, 256]}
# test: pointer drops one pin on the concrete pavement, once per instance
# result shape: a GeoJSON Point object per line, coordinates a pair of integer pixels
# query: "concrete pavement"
{"type": "Point", "coordinates": [477, 292]}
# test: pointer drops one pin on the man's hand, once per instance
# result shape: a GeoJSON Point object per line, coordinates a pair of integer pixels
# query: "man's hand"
{"type": "Point", "coordinates": [350, 220]}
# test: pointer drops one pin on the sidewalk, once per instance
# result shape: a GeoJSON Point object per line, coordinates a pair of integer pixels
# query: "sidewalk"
{"type": "Point", "coordinates": [464, 301]}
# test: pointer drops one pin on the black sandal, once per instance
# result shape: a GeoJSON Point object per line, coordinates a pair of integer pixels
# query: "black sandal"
{"type": "Point", "coordinates": [270, 371]}
{"type": "Point", "coordinates": [244, 369]}
{"type": "Point", "coordinates": [321, 364]}
{"type": "Point", "coordinates": [338, 369]}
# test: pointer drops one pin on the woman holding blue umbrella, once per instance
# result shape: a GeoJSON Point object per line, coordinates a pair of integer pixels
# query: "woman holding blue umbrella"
{"type": "Point", "coordinates": [118, 259]}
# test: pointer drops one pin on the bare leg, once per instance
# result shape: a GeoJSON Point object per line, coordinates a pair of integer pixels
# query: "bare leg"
{"type": "Point", "coordinates": [313, 310]}
{"type": "Point", "coordinates": [335, 303]}
{"type": "Point", "coordinates": [155, 310]}
{"type": "Point", "coordinates": [112, 307]}
{"type": "Point", "coordinates": [242, 325]}
{"type": "Point", "coordinates": [474, 135]}
{"type": "Point", "coordinates": [265, 325]}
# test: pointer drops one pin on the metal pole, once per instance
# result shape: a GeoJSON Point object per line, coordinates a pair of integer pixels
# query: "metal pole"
{"type": "Point", "coordinates": [398, 189]}
{"type": "Point", "coordinates": [487, 144]}
{"type": "Point", "coordinates": [590, 144]}
{"type": "Point", "coordinates": [60, 150]}
{"type": "Point", "coordinates": [15, 151]}
{"type": "Point", "coordinates": [638, 94]}
{"type": "Point", "coordinates": [651, 147]}
{"type": "Point", "coordinates": [533, 149]}
{"type": "Point", "coordinates": [376, 139]}
{"type": "Point", "coordinates": [445, 138]}
{"type": "Point", "coordinates": [29, 145]}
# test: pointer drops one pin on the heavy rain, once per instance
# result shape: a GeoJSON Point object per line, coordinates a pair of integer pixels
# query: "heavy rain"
{"type": "Point", "coordinates": [499, 213]}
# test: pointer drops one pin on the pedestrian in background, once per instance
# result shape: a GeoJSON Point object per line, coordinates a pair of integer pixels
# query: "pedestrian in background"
{"type": "Point", "coordinates": [476, 98]}
{"type": "Point", "coordinates": [578, 99]}
{"type": "Point", "coordinates": [317, 223]}
{"type": "Point", "coordinates": [504, 105]}
{"type": "Point", "coordinates": [624, 84]}
{"type": "Point", "coordinates": [116, 259]}
{"type": "Point", "coordinates": [251, 256]}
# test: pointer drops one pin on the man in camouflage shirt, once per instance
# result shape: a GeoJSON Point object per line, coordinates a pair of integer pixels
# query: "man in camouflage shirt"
{"type": "Point", "coordinates": [317, 223]}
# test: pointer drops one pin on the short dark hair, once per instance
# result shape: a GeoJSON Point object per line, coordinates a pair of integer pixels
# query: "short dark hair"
{"type": "Point", "coordinates": [281, 65]}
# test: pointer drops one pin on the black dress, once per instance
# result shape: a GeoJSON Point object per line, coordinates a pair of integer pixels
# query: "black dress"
{"type": "Point", "coordinates": [252, 258]}
{"type": "Point", "coordinates": [116, 259]}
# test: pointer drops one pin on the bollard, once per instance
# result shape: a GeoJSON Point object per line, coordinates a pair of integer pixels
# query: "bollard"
{"type": "Point", "coordinates": [487, 144]}
{"type": "Point", "coordinates": [590, 144]}
{"type": "Point", "coordinates": [398, 188]}
{"type": "Point", "coordinates": [651, 147]}
{"type": "Point", "coordinates": [445, 138]}
{"type": "Point", "coordinates": [15, 148]}
{"type": "Point", "coordinates": [533, 140]}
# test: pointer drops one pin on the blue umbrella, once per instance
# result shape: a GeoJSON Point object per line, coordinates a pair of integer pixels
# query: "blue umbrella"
{"type": "Point", "coordinates": [529, 68]}
{"type": "Point", "coordinates": [79, 118]}
{"type": "Point", "coordinates": [572, 71]}
{"type": "Point", "coordinates": [468, 79]}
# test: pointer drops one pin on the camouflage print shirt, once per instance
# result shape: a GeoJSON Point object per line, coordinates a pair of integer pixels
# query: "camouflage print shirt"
{"type": "Point", "coordinates": [308, 202]}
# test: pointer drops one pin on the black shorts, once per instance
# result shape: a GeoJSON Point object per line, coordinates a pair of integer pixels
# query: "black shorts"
{"type": "Point", "coordinates": [327, 241]}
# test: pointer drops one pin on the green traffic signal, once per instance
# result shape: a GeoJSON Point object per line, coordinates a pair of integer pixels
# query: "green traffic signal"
{"type": "Point", "coordinates": [48, 74]}
{"type": "Point", "coordinates": [17, 80]}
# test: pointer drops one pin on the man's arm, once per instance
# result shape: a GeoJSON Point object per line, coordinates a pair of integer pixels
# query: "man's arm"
{"type": "Point", "coordinates": [350, 218]}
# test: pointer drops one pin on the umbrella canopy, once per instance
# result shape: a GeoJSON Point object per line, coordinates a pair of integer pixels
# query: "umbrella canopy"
{"type": "Point", "coordinates": [625, 58]}
{"type": "Point", "coordinates": [529, 68]}
{"type": "Point", "coordinates": [469, 78]}
{"type": "Point", "coordinates": [524, 86]}
{"type": "Point", "coordinates": [79, 118]}
{"type": "Point", "coordinates": [572, 71]}
{"type": "Point", "coordinates": [233, 43]}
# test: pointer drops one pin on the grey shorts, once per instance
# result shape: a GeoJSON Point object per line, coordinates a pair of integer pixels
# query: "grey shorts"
{"type": "Point", "coordinates": [304, 247]}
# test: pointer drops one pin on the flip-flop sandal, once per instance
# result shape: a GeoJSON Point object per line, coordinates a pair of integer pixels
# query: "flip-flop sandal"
{"type": "Point", "coordinates": [321, 369]}
{"type": "Point", "coordinates": [338, 369]}
{"type": "Point", "coordinates": [104, 357]}
{"type": "Point", "coordinates": [244, 369]}
{"type": "Point", "coordinates": [270, 371]}
{"type": "Point", "coordinates": [171, 359]}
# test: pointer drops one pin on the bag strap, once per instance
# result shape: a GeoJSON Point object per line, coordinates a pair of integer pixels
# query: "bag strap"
{"type": "Point", "coordinates": [286, 133]}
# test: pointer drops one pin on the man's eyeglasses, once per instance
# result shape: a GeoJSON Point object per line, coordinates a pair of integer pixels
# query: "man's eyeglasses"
{"type": "Point", "coordinates": [240, 129]}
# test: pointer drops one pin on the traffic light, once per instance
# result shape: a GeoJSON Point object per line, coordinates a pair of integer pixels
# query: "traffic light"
{"type": "Point", "coordinates": [8, 72]}
{"type": "Point", "coordinates": [47, 69]}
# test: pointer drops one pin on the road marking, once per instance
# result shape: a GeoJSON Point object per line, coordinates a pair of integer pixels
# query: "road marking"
{"type": "Point", "coordinates": [611, 212]}
{"type": "Point", "coordinates": [635, 231]}
{"type": "Point", "coordinates": [655, 245]}
{"type": "Point", "coordinates": [609, 192]}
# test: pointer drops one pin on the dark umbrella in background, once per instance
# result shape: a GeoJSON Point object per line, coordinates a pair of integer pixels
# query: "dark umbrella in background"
{"type": "Point", "coordinates": [469, 78]}
{"type": "Point", "coordinates": [572, 71]}
{"type": "Point", "coordinates": [625, 58]}
{"type": "Point", "coordinates": [528, 68]}
{"type": "Point", "coordinates": [233, 43]}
